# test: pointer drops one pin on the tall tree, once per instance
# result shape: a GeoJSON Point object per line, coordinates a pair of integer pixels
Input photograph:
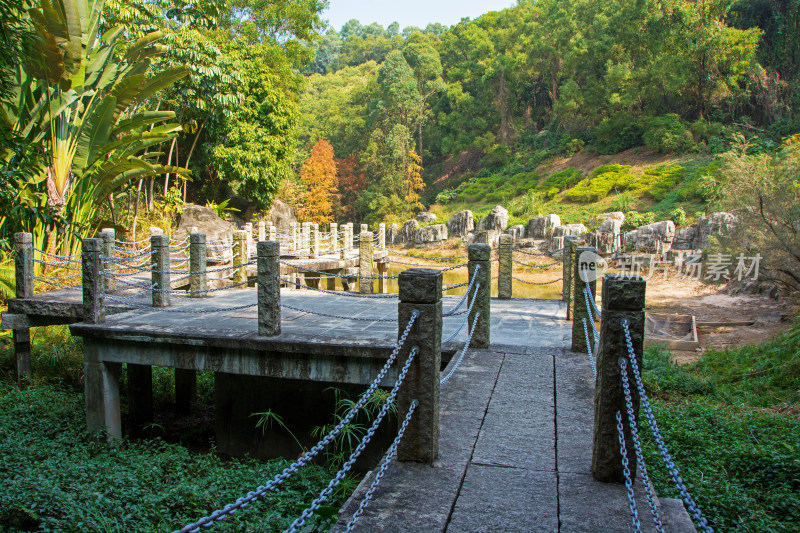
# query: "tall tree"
{"type": "Point", "coordinates": [426, 64]}
{"type": "Point", "coordinates": [319, 175]}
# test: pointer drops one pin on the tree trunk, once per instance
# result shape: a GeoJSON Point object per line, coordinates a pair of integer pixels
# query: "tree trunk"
{"type": "Point", "coordinates": [136, 210]}
{"type": "Point", "coordinates": [194, 142]}
{"type": "Point", "coordinates": [111, 207]}
{"type": "Point", "coordinates": [420, 142]}
{"type": "Point", "coordinates": [169, 159]}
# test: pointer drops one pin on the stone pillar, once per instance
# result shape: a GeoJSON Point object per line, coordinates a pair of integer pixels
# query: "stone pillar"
{"type": "Point", "coordinates": [383, 270]}
{"type": "Point", "coordinates": [93, 309]}
{"type": "Point", "coordinates": [506, 267]}
{"type": "Point", "coordinates": [350, 236]}
{"type": "Point", "coordinates": [156, 231]}
{"type": "Point", "coordinates": [585, 260]}
{"type": "Point", "coordinates": [365, 263]}
{"type": "Point", "coordinates": [160, 277]}
{"type": "Point", "coordinates": [315, 241]}
{"type": "Point", "coordinates": [568, 254]}
{"type": "Point", "coordinates": [240, 257]}
{"type": "Point", "coordinates": [306, 237]}
{"type": "Point", "coordinates": [23, 274]}
{"type": "Point", "coordinates": [623, 298]}
{"type": "Point", "coordinates": [381, 236]}
{"type": "Point", "coordinates": [292, 236]}
{"type": "Point", "coordinates": [197, 265]}
{"type": "Point", "coordinates": [23, 264]}
{"type": "Point", "coordinates": [480, 255]}
{"type": "Point", "coordinates": [262, 231]}
{"type": "Point", "coordinates": [101, 391]}
{"type": "Point", "coordinates": [343, 250]}
{"type": "Point", "coordinates": [108, 237]}
{"type": "Point", "coordinates": [421, 290]}
{"type": "Point", "coordinates": [269, 289]}
{"type": "Point", "coordinates": [272, 234]}
{"type": "Point", "coordinates": [364, 227]}
{"type": "Point", "coordinates": [334, 242]}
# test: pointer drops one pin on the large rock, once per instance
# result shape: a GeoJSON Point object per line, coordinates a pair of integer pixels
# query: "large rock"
{"type": "Point", "coordinates": [559, 232]}
{"type": "Point", "coordinates": [496, 220]}
{"type": "Point", "coordinates": [425, 218]}
{"type": "Point", "coordinates": [461, 224]}
{"type": "Point", "coordinates": [407, 233]}
{"type": "Point", "coordinates": [391, 233]}
{"type": "Point", "coordinates": [491, 237]}
{"type": "Point", "coordinates": [281, 215]}
{"type": "Point", "coordinates": [542, 227]}
{"type": "Point", "coordinates": [604, 242]}
{"type": "Point", "coordinates": [430, 235]}
{"type": "Point", "coordinates": [651, 239]}
{"type": "Point", "coordinates": [718, 223]}
{"type": "Point", "coordinates": [685, 238]}
{"type": "Point", "coordinates": [517, 232]}
{"type": "Point", "coordinates": [219, 237]}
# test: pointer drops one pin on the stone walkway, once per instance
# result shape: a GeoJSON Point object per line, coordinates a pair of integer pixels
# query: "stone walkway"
{"type": "Point", "coordinates": [515, 445]}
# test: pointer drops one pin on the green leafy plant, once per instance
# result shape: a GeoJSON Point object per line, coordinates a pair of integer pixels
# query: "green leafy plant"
{"type": "Point", "coordinates": [667, 134]}
{"type": "Point", "coordinates": [678, 216]}
{"type": "Point", "coordinates": [221, 209]}
{"type": "Point", "coordinates": [601, 182]}
{"type": "Point", "coordinates": [267, 418]}
{"type": "Point", "coordinates": [623, 202]}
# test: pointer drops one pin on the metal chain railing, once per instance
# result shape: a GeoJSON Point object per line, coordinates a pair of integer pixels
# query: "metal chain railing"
{"type": "Point", "coordinates": [637, 446]}
{"type": "Point", "coordinates": [287, 472]}
{"type": "Point", "coordinates": [466, 317]}
{"type": "Point", "coordinates": [538, 254]}
{"type": "Point", "coordinates": [537, 282]}
{"type": "Point", "coordinates": [464, 298]}
{"type": "Point", "coordinates": [536, 266]}
{"type": "Point", "coordinates": [589, 349]}
{"type": "Point", "coordinates": [390, 453]}
{"type": "Point", "coordinates": [57, 264]}
{"type": "Point", "coordinates": [328, 274]}
{"type": "Point", "coordinates": [394, 252]}
{"type": "Point", "coordinates": [694, 510]}
{"type": "Point", "coordinates": [463, 351]}
{"type": "Point", "coordinates": [337, 293]}
{"type": "Point", "coordinates": [626, 471]}
{"type": "Point", "coordinates": [435, 267]}
{"type": "Point", "coordinates": [341, 317]}
{"type": "Point", "coordinates": [301, 520]}
{"type": "Point", "coordinates": [66, 258]}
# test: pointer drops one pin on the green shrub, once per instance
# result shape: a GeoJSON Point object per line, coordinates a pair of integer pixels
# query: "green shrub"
{"type": "Point", "coordinates": [551, 193]}
{"type": "Point", "coordinates": [563, 179]}
{"type": "Point", "coordinates": [659, 181]}
{"type": "Point", "coordinates": [571, 147]}
{"type": "Point", "coordinates": [678, 216]}
{"type": "Point", "coordinates": [634, 219]}
{"type": "Point", "coordinates": [623, 202]}
{"type": "Point", "coordinates": [618, 133]}
{"type": "Point", "coordinates": [667, 134]}
{"type": "Point", "coordinates": [600, 182]}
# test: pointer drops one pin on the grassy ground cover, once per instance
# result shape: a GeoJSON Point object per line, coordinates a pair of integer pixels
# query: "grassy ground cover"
{"type": "Point", "coordinates": [731, 423]}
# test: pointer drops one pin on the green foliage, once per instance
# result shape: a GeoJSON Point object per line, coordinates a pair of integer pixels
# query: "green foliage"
{"type": "Point", "coordinates": [634, 219]}
{"type": "Point", "coordinates": [623, 202]}
{"type": "Point", "coordinates": [59, 478]}
{"type": "Point", "coordinates": [659, 181]}
{"type": "Point", "coordinates": [530, 205]}
{"type": "Point", "coordinates": [667, 134]}
{"type": "Point", "coordinates": [571, 147]}
{"type": "Point", "coordinates": [617, 133]}
{"type": "Point", "coordinates": [601, 182]}
{"type": "Point", "coordinates": [562, 180]}
{"type": "Point", "coordinates": [718, 417]}
{"type": "Point", "coordinates": [678, 216]}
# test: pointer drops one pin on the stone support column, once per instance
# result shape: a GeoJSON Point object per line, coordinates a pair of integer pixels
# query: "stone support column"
{"type": "Point", "coordinates": [262, 231]}
{"type": "Point", "coordinates": [315, 238]}
{"type": "Point", "coordinates": [585, 262]}
{"type": "Point", "coordinates": [269, 289]}
{"type": "Point", "coordinates": [480, 255]}
{"type": "Point", "coordinates": [350, 236]}
{"type": "Point", "coordinates": [109, 240]}
{"type": "Point", "coordinates": [293, 236]}
{"type": "Point", "coordinates": [306, 237]}
{"type": "Point", "coordinates": [623, 298]}
{"type": "Point", "coordinates": [93, 311]}
{"type": "Point", "coordinates": [198, 283]}
{"type": "Point", "coordinates": [506, 267]}
{"type": "Point", "coordinates": [381, 236]}
{"type": "Point", "coordinates": [160, 277]}
{"type": "Point", "coordinates": [383, 270]}
{"type": "Point", "coordinates": [272, 234]}
{"type": "Point", "coordinates": [420, 290]}
{"type": "Point", "coordinates": [23, 274]}
{"type": "Point", "coordinates": [239, 257]}
{"type": "Point", "coordinates": [101, 392]}
{"type": "Point", "coordinates": [365, 263]}
{"type": "Point", "coordinates": [248, 228]}
{"type": "Point", "coordinates": [334, 242]}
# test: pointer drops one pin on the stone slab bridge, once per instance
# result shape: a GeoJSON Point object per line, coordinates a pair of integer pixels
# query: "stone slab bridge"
{"type": "Point", "coordinates": [505, 424]}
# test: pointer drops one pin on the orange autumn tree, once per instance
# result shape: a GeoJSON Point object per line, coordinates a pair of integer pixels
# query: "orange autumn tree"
{"type": "Point", "coordinates": [413, 182]}
{"type": "Point", "coordinates": [318, 173]}
{"type": "Point", "coordinates": [351, 181]}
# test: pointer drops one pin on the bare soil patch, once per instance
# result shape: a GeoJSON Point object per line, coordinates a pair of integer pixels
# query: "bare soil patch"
{"type": "Point", "coordinates": [637, 158]}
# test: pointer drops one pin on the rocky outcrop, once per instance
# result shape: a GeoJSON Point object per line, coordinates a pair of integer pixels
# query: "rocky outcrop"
{"type": "Point", "coordinates": [695, 237]}
{"type": "Point", "coordinates": [559, 232]}
{"type": "Point", "coordinates": [487, 237]}
{"type": "Point", "coordinates": [517, 232]}
{"type": "Point", "coordinates": [542, 227]}
{"type": "Point", "coordinates": [206, 221]}
{"type": "Point", "coordinates": [406, 234]}
{"type": "Point", "coordinates": [426, 218]}
{"type": "Point", "coordinates": [280, 215]}
{"type": "Point", "coordinates": [651, 239]}
{"type": "Point", "coordinates": [496, 220]}
{"type": "Point", "coordinates": [430, 235]}
{"type": "Point", "coordinates": [392, 231]}
{"type": "Point", "coordinates": [460, 224]}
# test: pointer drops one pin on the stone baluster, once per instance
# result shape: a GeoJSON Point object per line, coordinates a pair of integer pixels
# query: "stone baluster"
{"type": "Point", "coordinates": [160, 276]}
{"type": "Point", "coordinates": [108, 237]}
{"type": "Point", "coordinates": [269, 289]}
{"type": "Point", "coordinates": [262, 231]}
{"type": "Point", "coordinates": [421, 290]}
{"type": "Point", "coordinates": [365, 262]}
{"type": "Point", "coordinates": [315, 241]}
{"type": "Point", "coordinates": [334, 242]}
{"type": "Point", "coordinates": [23, 275]}
{"type": "Point", "coordinates": [568, 255]}
{"type": "Point", "coordinates": [240, 257]}
{"type": "Point", "coordinates": [198, 260]}
{"type": "Point", "coordinates": [272, 233]}
{"type": "Point", "coordinates": [623, 298]}
{"type": "Point", "coordinates": [381, 236]}
{"type": "Point", "coordinates": [506, 267]}
{"type": "Point", "coordinates": [480, 255]}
